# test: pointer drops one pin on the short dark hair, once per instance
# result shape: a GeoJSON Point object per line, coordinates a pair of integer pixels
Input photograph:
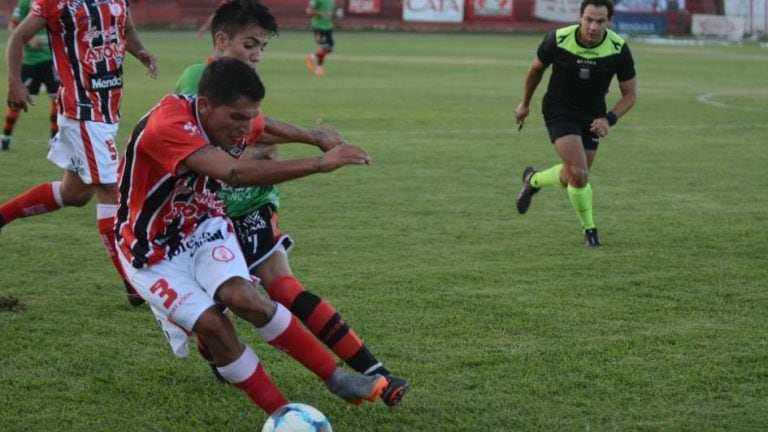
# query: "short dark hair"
{"type": "Point", "coordinates": [235, 16]}
{"type": "Point", "coordinates": [227, 79]}
{"type": "Point", "coordinates": [598, 3]}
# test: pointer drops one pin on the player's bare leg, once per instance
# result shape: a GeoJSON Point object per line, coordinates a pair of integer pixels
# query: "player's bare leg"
{"type": "Point", "coordinates": [106, 210]}
{"type": "Point", "coordinates": [239, 365]}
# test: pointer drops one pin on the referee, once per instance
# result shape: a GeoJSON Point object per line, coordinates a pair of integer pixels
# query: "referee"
{"type": "Point", "coordinates": [584, 59]}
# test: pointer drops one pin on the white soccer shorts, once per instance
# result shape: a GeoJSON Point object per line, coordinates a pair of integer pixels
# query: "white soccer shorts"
{"type": "Point", "coordinates": [179, 289]}
{"type": "Point", "coordinates": [87, 148]}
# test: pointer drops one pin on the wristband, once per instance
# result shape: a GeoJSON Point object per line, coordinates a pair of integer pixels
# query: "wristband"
{"type": "Point", "coordinates": [611, 117]}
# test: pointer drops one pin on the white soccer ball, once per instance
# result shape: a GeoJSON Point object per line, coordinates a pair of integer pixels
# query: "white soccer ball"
{"type": "Point", "coordinates": [297, 417]}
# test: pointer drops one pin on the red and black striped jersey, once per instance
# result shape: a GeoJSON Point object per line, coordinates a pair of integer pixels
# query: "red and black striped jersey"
{"type": "Point", "coordinates": [159, 202]}
{"type": "Point", "coordinates": [88, 44]}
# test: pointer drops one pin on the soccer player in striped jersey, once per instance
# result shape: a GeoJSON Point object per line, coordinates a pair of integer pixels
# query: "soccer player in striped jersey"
{"type": "Point", "coordinates": [37, 69]}
{"type": "Point", "coordinates": [242, 29]}
{"type": "Point", "coordinates": [88, 40]}
{"type": "Point", "coordinates": [584, 58]}
{"type": "Point", "coordinates": [180, 250]}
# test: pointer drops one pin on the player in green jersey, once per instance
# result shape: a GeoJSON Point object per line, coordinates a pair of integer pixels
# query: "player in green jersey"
{"type": "Point", "coordinates": [321, 23]}
{"type": "Point", "coordinates": [37, 69]}
{"type": "Point", "coordinates": [584, 59]}
{"type": "Point", "coordinates": [242, 29]}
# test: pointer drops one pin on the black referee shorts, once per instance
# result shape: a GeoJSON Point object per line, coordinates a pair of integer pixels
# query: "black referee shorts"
{"type": "Point", "coordinates": [560, 124]}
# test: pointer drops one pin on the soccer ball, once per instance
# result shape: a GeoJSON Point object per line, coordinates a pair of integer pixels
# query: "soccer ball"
{"type": "Point", "coordinates": [297, 417]}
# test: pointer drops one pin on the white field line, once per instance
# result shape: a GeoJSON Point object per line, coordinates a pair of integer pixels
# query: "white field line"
{"type": "Point", "coordinates": [709, 99]}
{"type": "Point", "coordinates": [404, 59]}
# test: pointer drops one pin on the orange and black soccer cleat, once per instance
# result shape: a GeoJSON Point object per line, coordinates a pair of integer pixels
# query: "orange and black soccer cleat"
{"type": "Point", "coordinates": [394, 391]}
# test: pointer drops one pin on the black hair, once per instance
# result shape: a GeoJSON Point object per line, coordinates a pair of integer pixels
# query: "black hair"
{"type": "Point", "coordinates": [227, 79]}
{"type": "Point", "coordinates": [234, 16]}
{"type": "Point", "coordinates": [598, 3]}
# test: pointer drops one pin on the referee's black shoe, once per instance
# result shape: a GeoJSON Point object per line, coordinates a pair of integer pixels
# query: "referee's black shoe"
{"type": "Point", "coordinates": [527, 191]}
{"type": "Point", "coordinates": [591, 239]}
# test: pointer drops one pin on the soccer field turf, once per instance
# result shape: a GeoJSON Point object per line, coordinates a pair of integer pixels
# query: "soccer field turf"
{"type": "Point", "coordinates": [500, 322]}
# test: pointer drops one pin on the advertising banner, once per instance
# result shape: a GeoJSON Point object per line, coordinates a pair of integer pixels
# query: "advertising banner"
{"type": "Point", "coordinates": [648, 5]}
{"type": "Point", "coordinates": [557, 10]}
{"type": "Point", "coordinates": [717, 25]}
{"type": "Point", "coordinates": [439, 11]}
{"type": "Point", "coordinates": [640, 23]}
{"type": "Point", "coordinates": [364, 6]}
{"type": "Point", "coordinates": [492, 8]}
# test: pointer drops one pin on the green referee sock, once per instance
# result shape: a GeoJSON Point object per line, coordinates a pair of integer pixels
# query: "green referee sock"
{"type": "Point", "coordinates": [581, 199]}
{"type": "Point", "coordinates": [547, 177]}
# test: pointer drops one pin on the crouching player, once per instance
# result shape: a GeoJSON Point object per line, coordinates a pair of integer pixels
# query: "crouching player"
{"type": "Point", "coordinates": [242, 29]}
{"type": "Point", "coordinates": [179, 248]}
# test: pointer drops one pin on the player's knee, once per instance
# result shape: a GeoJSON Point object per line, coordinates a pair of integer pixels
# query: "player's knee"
{"type": "Point", "coordinates": [578, 177]}
{"type": "Point", "coordinates": [76, 198]}
{"type": "Point", "coordinates": [216, 332]}
{"type": "Point", "coordinates": [212, 324]}
{"type": "Point", "coordinates": [245, 301]}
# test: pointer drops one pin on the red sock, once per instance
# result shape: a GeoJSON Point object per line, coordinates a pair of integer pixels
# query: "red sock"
{"type": "Point", "coordinates": [105, 219]}
{"type": "Point", "coordinates": [323, 321]}
{"type": "Point", "coordinates": [11, 115]}
{"type": "Point", "coordinates": [285, 332]}
{"type": "Point", "coordinates": [42, 198]}
{"type": "Point", "coordinates": [248, 374]}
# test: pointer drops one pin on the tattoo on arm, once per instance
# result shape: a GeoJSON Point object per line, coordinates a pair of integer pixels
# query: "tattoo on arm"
{"type": "Point", "coordinates": [233, 179]}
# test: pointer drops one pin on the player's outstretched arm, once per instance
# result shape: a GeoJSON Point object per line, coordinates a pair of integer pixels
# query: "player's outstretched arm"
{"type": "Point", "coordinates": [18, 95]}
{"type": "Point", "coordinates": [216, 163]}
{"type": "Point", "coordinates": [133, 45]}
{"type": "Point", "coordinates": [323, 136]}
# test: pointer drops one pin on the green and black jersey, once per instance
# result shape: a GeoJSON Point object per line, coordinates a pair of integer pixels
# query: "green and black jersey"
{"type": "Point", "coordinates": [32, 56]}
{"type": "Point", "coordinates": [581, 76]}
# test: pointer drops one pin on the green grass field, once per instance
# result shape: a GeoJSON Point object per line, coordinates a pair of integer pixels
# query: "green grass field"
{"type": "Point", "coordinates": [501, 322]}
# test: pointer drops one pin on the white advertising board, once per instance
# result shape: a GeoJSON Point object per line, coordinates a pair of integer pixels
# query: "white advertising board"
{"type": "Point", "coordinates": [717, 25]}
{"type": "Point", "coordinates": [442, 11]}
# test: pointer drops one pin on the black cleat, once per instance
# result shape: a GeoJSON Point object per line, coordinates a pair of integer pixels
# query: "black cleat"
{"type": "Point", "coordinates": [591, 239]}
{"type": "Point", "coordinates": [133, 297]}
{"type": "Point", "coordinates": [5, 143]}
{"type": "Point", "coordinates": [394, 391]}
{"type": "Point", "coordinates": [527, 191]}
